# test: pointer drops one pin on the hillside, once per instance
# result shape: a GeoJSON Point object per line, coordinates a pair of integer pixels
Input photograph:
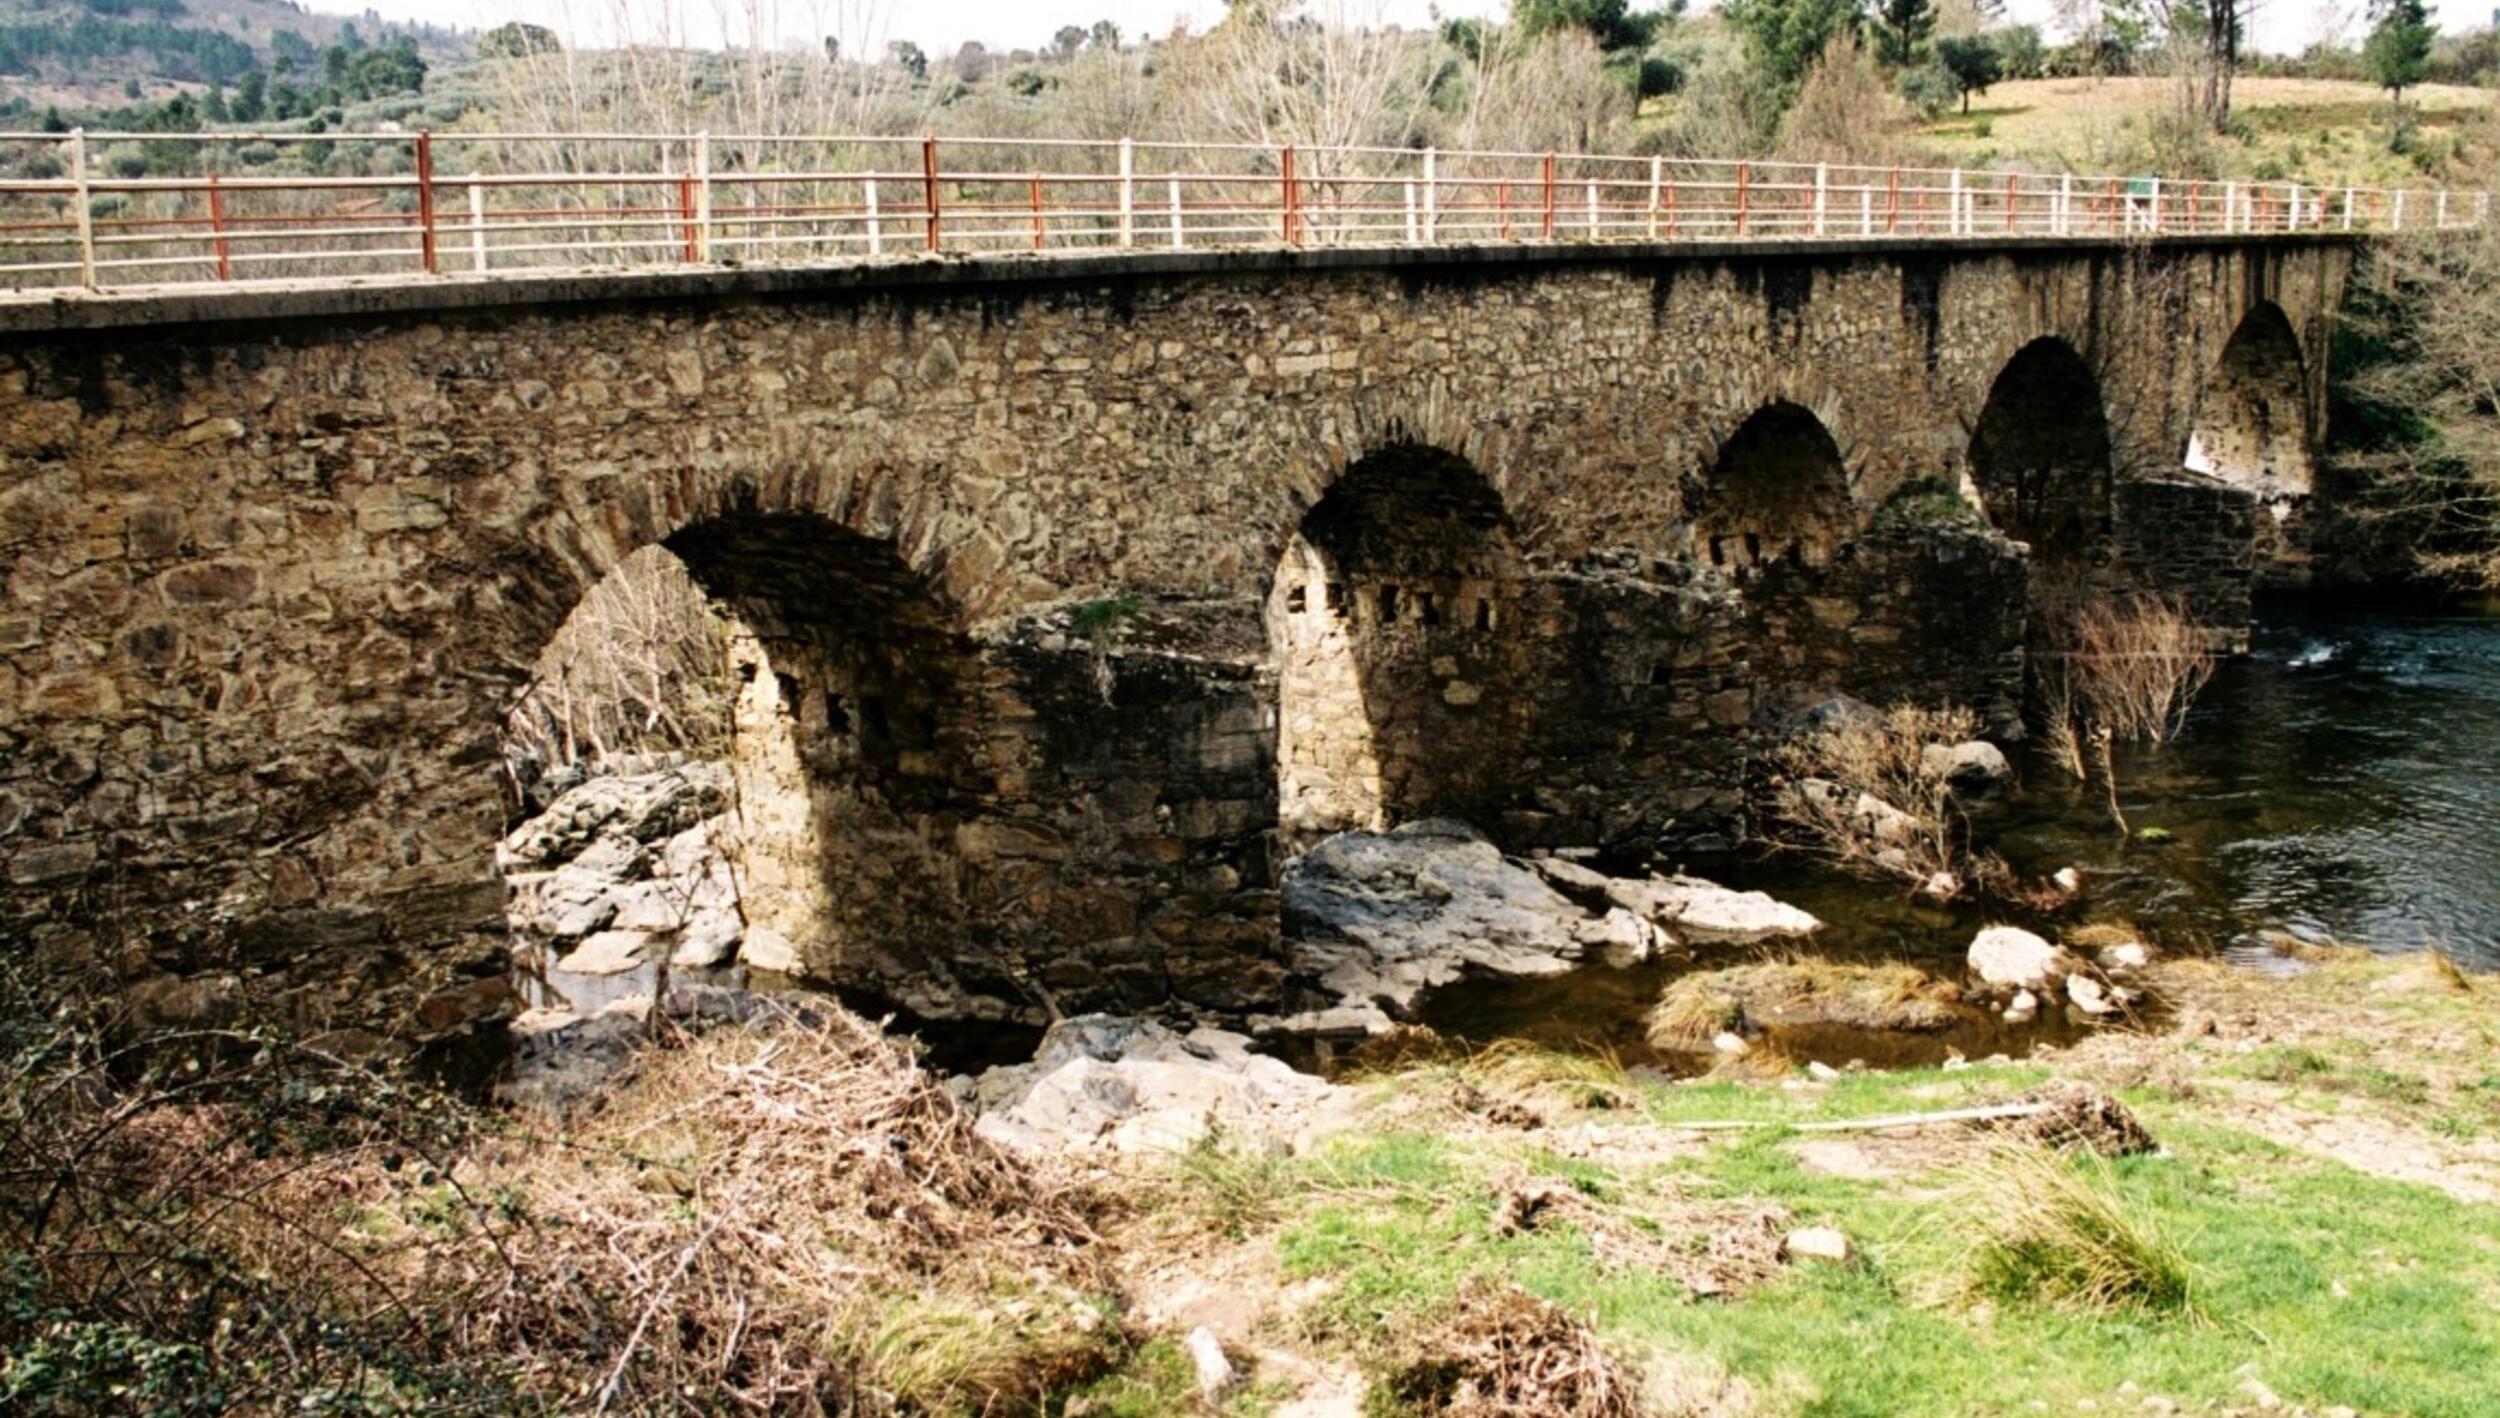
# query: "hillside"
{"type": "Point", "coordinates": [2318, 130]}
{"type": "Point", "coordinates": [83, 54]}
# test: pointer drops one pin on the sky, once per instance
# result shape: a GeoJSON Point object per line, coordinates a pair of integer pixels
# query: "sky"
{"type": "Point", "coordinates": [939, 26]}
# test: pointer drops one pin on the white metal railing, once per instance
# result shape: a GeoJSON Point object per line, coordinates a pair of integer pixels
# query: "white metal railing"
{"type": "Point", "coordinates": [99, 210]}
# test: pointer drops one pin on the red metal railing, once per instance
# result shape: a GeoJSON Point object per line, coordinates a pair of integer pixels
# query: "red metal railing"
{"type": "Point", "coordinates": [99, 210]}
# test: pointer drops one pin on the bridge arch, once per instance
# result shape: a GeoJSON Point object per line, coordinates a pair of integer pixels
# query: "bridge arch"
{"type": "Point", "coordinates": [2041, 456]}
{"type": "Point", "coordinates": [2251, 428]}
{"type": "Point", "coordinates": [1391, 621]}
{"type": "Point", "coordinates": [854, 723]}
{"type": "Point", "coordinates": [1777, 492]}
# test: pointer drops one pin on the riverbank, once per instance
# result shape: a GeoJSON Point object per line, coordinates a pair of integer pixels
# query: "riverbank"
{"type": "Point", "coordinates": [2314, 1233]}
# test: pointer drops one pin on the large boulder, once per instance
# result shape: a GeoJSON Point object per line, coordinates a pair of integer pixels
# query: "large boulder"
{"type": "Point", "coordinates": [1375, 919]}
{"type": "Point", "coordinates": [2010, 958]}
{"type": "Point", "coordinates": [1132, 1085]}
{"type": "Point", "coordinates": [1386, 916]}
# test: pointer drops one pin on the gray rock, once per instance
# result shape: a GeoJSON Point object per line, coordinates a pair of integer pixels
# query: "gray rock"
{"type": "Point", "coordinates": [1976, 764]}
{"type": "Point", "coordinates": [2010, 957]}
{"type": "Point", "coordinates": [1132, 1085]}
{"type": "Point", "coordinates": [1698, 912]}
{"type": "Point", "coordinates": [607, 953]}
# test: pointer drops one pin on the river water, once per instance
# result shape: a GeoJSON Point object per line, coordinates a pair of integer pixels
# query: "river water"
{"type": "Point", "coordinates": [2340, 783]}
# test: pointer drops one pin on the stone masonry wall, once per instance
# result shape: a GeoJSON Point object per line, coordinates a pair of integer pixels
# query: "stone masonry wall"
{"type": "Point", "coordinates": [266, 587]}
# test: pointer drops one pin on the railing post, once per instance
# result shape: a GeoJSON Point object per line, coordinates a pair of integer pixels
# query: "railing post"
{"type": "Point", "coordinates": [1432, 196]}
{"type": "Point", "coordinates": [1822, 187]}
{"type": "Point", "coordinates": [477, 222]}
{"type": "Point", "coordinates": [2230, 208]}
{"type": "Point", "coordinates": [85, 199]}
{"type": "Point", "coordinates": [2065, 203]}
{"type": "Point", "coordinates": [1744, 196]}
{"type": "Point", "coordinates": [2399, 223]}
{"type": "Point", "coordinates": [2441, 220]}
{"type": "Point", "coordinates": [876, 225]}
{"type": "Point", "coordinates": [2154, 209]}
{"type": "Point", "coordinates": [1545, 220]}
{"type": "Point", "coordinates": [1289, 213]}
{"type": "Point", "coordinates": [1892, 203]}
{"type": "Point", "coordinates": [1034, 192]}
{"type": "Point", "coordinates": [685, 216]}
{"type": "Point", "coordinates": [217, 229]}
{"type": "Point", "coordinates": [1128, 192]}
{"type": "Point", "coordinates": [1593, 232]}
{"type": "Point", "coordinates": [1172, 189]}
{"type": "Point", "coordinates": [425, 198]}
{"type": "Point", "coordinates": [2294, 223]}
{"type": "Point", "coordinates": [1413, 228]}
{"type": "Point", "coordinates": [1657, 185]}
{"type": "Point", "coordinates": [929, 183]}
{"type": "Point", "coordinates": [702, 196]}
{"type": "Point", "coordinates": [1866, 210]}
{"type": "Point", "coordinates": [2013, 199]}
{"type": "Point", "coordinates": [2347, 209]}
{"type": "Point", "coordinates": [1953, 206]}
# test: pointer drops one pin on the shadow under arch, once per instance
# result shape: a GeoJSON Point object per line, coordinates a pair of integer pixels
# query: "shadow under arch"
{"type": "Point", "coordinates": [1777, 492]}
{"type": "Point", "coordinates": [2252, 417]}
{"type": "Point", "coordinates": [1391, 619]}
{"type": "Point", "coordinates": [855, 750]}
{"type": "Point", "coordinates": [2041, 457]}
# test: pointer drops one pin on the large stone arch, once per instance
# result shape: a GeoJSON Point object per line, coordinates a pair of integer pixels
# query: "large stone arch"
{"type": "Point", "coordinates": [1392, 622]}
{"type": "Point", "coordinates": [860, 752]}
{"type": "Point", "coordinates": [2251, 428]}
{"type": "Point", "coordinates": [2041, 457]}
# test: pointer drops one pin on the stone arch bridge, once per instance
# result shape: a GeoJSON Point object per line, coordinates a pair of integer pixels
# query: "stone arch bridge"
{"type": "Point", "coordinates": [1089, 586]}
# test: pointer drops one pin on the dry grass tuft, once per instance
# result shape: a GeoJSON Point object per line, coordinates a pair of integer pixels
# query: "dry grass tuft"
{"type": "Point", "coordinates": [1799, 989]}
{"type": "Point", "coordinates": [2053, 1228]}
{"type": "Point", "coordinates": [1501, 1350]}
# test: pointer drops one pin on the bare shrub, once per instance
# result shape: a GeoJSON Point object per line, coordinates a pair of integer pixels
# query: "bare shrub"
{"type": "Point", "coordinates": [1845, 113]}
{"type": "Point", "coordinates": [1862, 792]}
{"type": "Point", "coordinates": [642, 665]}
{"type": "Point", "coordinates": [2130, 666]}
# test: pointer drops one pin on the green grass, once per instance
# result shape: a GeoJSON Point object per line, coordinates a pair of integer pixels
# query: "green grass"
{"type": "Point", "coordinates": [1400, 1221]}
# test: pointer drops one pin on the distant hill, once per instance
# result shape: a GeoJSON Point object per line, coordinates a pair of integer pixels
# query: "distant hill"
{"type": "Point", "coordinates": [84, 54]}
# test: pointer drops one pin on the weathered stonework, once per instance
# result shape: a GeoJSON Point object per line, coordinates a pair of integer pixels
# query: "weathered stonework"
{"type": "Point", "coordinates": [269, 586]}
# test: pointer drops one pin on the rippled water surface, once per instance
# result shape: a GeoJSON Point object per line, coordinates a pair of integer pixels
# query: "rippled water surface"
{"type": "Point", "coordinates": [2342, 782]}
{"type": "Point", "coordinates": [2339, 783]}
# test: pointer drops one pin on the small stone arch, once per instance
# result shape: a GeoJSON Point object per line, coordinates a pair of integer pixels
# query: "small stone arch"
{"type": "Point", "coordinates": [1392, 622]}
{"type": "Point", "coordinates": [2252, 426]}
{"type": "Point", "coordinates": [2041, 455]}
{"type": "Point", "coordinates": [1777, 491]}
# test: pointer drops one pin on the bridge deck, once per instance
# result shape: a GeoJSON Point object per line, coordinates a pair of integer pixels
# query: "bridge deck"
{"type": "Point", "coordinates": [119, 307]}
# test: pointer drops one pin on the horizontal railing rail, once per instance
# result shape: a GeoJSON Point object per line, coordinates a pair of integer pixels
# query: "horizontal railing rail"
{"type": "Point", "coordinates": [95, 211]}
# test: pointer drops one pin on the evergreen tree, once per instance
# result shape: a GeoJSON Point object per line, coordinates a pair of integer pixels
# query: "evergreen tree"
{"type": "Point", "coordinates": [1902, 28]}
{"type": "Point", "coordinates": [2398, 53]}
